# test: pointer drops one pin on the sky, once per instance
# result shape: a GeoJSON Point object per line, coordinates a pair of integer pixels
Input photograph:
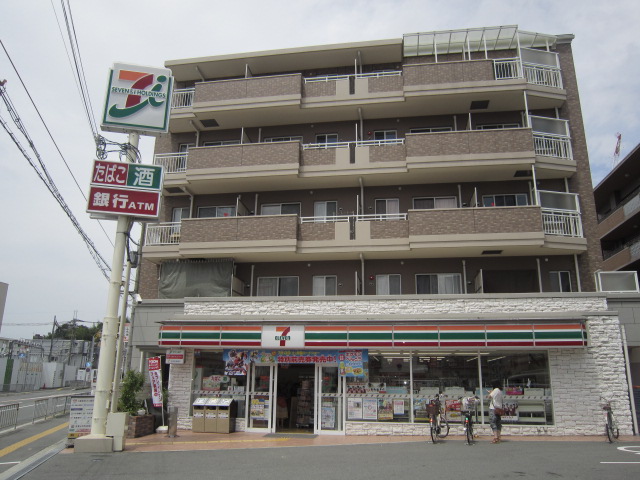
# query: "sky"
{"type": "Point", "coordinates": [51, 273]}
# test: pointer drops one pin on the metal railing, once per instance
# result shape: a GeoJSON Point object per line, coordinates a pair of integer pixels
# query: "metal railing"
{"type": "Point", "coordinates": [358, 143]}
{"type": "Point", "coordinates": [562, 223]}
{"type": "Point", "coordinates": [172, 162]}
{"type": "Point", "coordinates": [331, 78]}
{"type": "Point", "coordinates": [51, 407]}
{"type": "Point", "coordinates": [542, 75]}
{"type": "Point", "coordinates": [510, 68]}
{"type": "Point", "coordinates": [9, 415]}
{"type": "Point", "coordinates": [182, 98]}
{"type": "Point", "coordinates": [547, 145]}
{"type": "Point", "coordinates": [358, 218]}
{"type": "Point", "coordinates": [163, 234]}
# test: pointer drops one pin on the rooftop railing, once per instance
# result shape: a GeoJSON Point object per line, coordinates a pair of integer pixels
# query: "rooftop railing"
{"type": "Point", "coordinates": [182, 98]}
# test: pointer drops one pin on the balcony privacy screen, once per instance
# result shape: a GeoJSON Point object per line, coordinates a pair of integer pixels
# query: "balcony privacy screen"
{"type": "Point", "coordinates": [539, 57]}
{"type": "Point", "coordinates": [196, 279]}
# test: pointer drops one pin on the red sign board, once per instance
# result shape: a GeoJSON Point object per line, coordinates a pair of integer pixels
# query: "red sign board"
{"type": "Point", "coordinates": [121, 201]}
{"type": "Point", "coordinates": [127, 175]}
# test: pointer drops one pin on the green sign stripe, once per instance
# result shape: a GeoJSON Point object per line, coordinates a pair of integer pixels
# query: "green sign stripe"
{"type": "Point", "coordinates": [558, 335]}
{"type": "Point", "coordinates": [326, 336]}
{"type": "Point", "coordinates": [370, 336]}
{"type": "Point", "coordinates": [241, 336]}
{"type": "Point", "coordinates": [169, 335]}
{"type": "Point", "coordinates": [144, 176]}
{"type": "Point", "coordinates": [462, 335]}
{"type": "Point", "coordinates": [416, 336]}
{"type": "Point", "coordinates": [510, 335]}
{"type": "Point", "coordinates": [200, 335]}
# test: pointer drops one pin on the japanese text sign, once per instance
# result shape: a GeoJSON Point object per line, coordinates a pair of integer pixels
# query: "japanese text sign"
{"type": "Point", "coordinates": [131, 175]}
{"type": "Point", "coordinates": [124, 202]}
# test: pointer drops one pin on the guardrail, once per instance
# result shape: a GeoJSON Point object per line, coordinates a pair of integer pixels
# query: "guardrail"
{"type": "Point", "coordinates": [182, 98]}
{"type": "Point", "coordinates": [172, 162]}
{"type": "Point", "coordinates": [330, 78]}
{"type": "Point", "coordinates": [563, 223]}
{"type": "Point", "coordinates": [163, 234]}
{"type": "Point", "coordinates": [51, 407]}
{"type": "Point", "coordinates": [552, 146]}
{"type": "Point", "coordinates": [510, 68]}
{"type": "Point", "coordinates": [9, 415]}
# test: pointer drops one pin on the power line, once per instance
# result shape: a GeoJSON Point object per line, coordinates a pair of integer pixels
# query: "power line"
{"type": "Point", "coordinates": [43, 174]}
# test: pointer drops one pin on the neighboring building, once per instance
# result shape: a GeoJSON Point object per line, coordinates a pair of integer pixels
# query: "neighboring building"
{"type": "Point", "coordinates": [617, 199]}
{"type": "Point", "coordinates": [353, 228]}
{"type": "Point", "coordinates": [4, 288]}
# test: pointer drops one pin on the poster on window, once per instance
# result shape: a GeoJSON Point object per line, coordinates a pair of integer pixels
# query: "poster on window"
{"type": "Point", "coordinates": [351, 362]}
{"type": "Point", "coordinates": [259, 409]}
{"type": "Point", "coordinates": [354, 408]}
{"type": "Point", "coordinates": [328, 416]}
{"type": "Point", "coordinates": [398, 407]}
{"type": "Point", "coordinates": [369, 408]}
{"type": "Point", "coordinates": [510, 412]}
{"type": "Point", "coordinates": [385, 409]}
{"type": "Point", "coordinates": [453, 409]}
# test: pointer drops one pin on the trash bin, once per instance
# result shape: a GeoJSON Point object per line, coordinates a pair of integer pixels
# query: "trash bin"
{"type": "Point", "coordinates": [227, 412]}
{"type": "Point", "coordinates": [197, 424]}
{"type": "Point", "coordinates": [211, 416]}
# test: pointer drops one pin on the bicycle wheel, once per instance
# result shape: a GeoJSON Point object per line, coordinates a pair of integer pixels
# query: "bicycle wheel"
{"type": "Point", "coordinates": [609, 428]}
{"type": "Point", "coordinates": [444, 427]}
{"type": "Point", "coordinates": [469, 432]}
{"type": "Point", "coordinates": [434, 435]}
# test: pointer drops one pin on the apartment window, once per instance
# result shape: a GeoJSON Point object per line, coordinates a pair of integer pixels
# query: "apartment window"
{"type": "Point", "coordinates": [385, 135]}
{"type": "Point", "coordinates": [221, 142]}
{"type": "Point", "coordinates": [281, 209]}
{"type": "Point", "coordinates": [560, 281]}
{"type": "Point", "coordinates": [512, 200]}
{"type": "Point", "coordinates": [177, 214]}
{"type": "Point", "coordinates": [327, 138]}
{"type": "Point", "coordinates": [325, 285]}
{"type": "Point", "coordinates": [497, 126]}
{"type": "Point", "coordinates": [431, 129]}
{"type": "Point", "coordinates": [184, 147]}
{"type": "Point", "coordinates": [388, 208]}
{"type": "Point", "coordinates": [277, 286]}
{"type": "Point", "coordinates": [388, 284]}
{"type": "Point", "coordinates": [208, 212]}
{"type": "Point", "coordinates": [426, 203]}
{"type": "Point", "coordinates": [283, 139]}
{"type": "Point", "coordinates": [439, 283]}
{"type": "Point", "coordinates": [324, 211]}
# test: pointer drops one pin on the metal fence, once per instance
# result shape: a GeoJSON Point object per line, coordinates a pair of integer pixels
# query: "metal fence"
{"type": "Point", "coordinates": [9, 415]}
{"type": "Point", "coordinates": [51, 407]}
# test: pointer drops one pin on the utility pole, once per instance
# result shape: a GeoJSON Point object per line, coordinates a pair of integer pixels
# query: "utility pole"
{"type": "Point", "coordinates": [53, 329]}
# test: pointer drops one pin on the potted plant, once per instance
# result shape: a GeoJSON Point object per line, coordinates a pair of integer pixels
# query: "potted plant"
{"type": "Point", "coordinates": [140, 423]}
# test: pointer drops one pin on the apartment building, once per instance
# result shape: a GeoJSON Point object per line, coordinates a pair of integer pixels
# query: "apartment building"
{"type": "Point", "coordinates": [348, 230]}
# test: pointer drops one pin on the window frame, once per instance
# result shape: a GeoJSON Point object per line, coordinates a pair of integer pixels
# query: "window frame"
{"type": "Point", "coordinates": [324, 286]}
{"type": "Point", "coordinates": [438, 276]}
{"type": "Point", "coordinates": [435, 200]}
{"type": "Point", "coordinates": [299, 205]}
{"type": "Point", "coordinates": [558, 275]}
{"type": "Point", "coordinates": [278, 285]}
{"type": "Point", "coordinates": [504, 196]}
{"type": "Point", "coordinates": [283, 138]}
{"type": "Point", "coordinates": [217, 207]}
{"type": "Point", "coordinates": [388, 276]}
{"type": "Point", "coordinates": [430, 129]}
{"type": "Point", "coordinates": [386, 134]}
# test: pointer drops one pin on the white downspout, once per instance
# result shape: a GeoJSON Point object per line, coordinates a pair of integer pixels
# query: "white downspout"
{"type": "Point", "coordinates": [577, 267]}
{"type": "Point", "coordinates": [251, 281]}
{"type": "Point", "coordinates": [362, 268]}
{"type": "Point", "coordinates": [539, 275]}
{"type": "Point", "coordinates": [362, 211]}
{"type": "Point", "coordinates": [464, 275]}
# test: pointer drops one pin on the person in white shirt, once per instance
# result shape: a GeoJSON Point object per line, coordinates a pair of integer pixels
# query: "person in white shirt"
{"type": "Point", "coordinates": [495, 410]}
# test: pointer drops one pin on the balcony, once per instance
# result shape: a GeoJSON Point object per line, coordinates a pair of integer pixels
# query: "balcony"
{"type": "Point", "coordinates": [529, 230]}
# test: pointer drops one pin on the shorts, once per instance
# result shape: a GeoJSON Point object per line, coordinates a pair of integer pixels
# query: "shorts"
{"type": "Point", "coordinates": [495, 421]}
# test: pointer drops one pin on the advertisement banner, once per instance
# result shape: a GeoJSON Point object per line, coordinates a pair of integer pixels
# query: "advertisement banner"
{"type": "Point", "coordinates": [351, 362]}
{"type": "Point", "coordinates": [155, 378]}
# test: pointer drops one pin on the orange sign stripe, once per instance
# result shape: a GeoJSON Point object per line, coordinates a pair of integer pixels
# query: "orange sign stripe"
{"type": "Point", "coordinates": [414, 329]}
{"type": "Point", "coordinates": [242, 328]}
{"type": "Point", "coordinates": [129, 75]}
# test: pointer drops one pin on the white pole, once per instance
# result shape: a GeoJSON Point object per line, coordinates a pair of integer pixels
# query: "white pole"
{"type": "Point", "coordinates": [106, 360]}
{"type": "Point", "coordinates": [119, 344]}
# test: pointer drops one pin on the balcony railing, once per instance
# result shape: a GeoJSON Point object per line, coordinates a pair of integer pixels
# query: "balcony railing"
{"type": "Point", "coordinates": [358, 218]}
{"type": "Point", "coordinates": [163, 234]}
{"type": "Point", "coordinates": [552, 146]}
{"type": "Point", "coordinates": [510, 68]}
{"type": "Point", "coordinates": [329, 78]}
{"type": "Point", "coordinates": [182, 98]}
{"type": "Point", "coordinates": [562, 223]}
{"type": "Point", "coordinates": [172, 162]}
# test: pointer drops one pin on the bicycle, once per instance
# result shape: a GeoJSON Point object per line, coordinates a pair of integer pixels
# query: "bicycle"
{"type": "Point", "coordinates": [437, 419]}
{"type": "Point", "coordinates": [611, 424]}
{"type": "Point", "coordinates": [468, 404]}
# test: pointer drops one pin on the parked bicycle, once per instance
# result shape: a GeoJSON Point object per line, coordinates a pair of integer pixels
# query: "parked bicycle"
{"type": "Point", "coordinates": [611, 424]}
{"type": "Point", "coordinates": [468, 410]}
{"type": "Point", "coordinates": [437, 419]}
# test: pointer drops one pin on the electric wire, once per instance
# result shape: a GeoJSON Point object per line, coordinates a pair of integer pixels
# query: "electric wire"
{"type": "Point", "coordinates": [43, 174]}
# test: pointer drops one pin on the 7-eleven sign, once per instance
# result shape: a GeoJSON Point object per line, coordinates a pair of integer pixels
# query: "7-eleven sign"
{"type": "Point", "coordinates": [283, 336]}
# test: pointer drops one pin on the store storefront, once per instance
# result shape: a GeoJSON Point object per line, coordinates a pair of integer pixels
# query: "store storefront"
{"type": "Point", "coordinates": [363, 379]}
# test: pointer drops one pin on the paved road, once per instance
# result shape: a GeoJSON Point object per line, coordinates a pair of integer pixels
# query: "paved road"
{"type": "Point", "coordinates": [411, 460]}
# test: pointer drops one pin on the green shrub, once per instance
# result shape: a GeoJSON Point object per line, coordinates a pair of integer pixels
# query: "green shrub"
{"type": "Point", "coordinates": [130, 388]}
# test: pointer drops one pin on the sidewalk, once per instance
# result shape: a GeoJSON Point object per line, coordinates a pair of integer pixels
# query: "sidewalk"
{"type": "Point", "coordinates": [189, 441]}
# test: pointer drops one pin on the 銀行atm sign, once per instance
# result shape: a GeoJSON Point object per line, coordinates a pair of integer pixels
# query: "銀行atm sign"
{"type": "Point", "coordinates": [129, 189]}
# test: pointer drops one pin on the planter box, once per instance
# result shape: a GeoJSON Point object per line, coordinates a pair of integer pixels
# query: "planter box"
{"type": "Point", "coordinates": [140, 425]}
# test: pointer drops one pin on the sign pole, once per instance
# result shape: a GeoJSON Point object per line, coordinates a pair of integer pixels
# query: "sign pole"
{"type": "Point", "coordinates": [106, 360]}
{"type": "Point", "coordinates": [123, 319]}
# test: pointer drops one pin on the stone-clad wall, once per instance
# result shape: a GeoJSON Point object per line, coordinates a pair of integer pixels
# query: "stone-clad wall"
{"type": "Point", "coordinates": [580, 376]}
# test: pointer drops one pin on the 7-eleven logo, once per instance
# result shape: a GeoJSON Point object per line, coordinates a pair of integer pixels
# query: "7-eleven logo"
{"type": "Point", "coordinates": [283, 336]}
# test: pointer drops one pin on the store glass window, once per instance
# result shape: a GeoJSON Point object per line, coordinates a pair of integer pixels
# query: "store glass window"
{"type": "Point", "coordinates": [209, 380]}
{"type": "Point", "coordinates": [384, 394]}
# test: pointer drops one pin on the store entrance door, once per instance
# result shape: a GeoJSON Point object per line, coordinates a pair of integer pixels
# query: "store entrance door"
{"type": "Point", "coordinates": [329, 394]}
{"type": "Point", "coordinates": [261, 395]}
{"type": "Point", "coordinates": [294, 410]}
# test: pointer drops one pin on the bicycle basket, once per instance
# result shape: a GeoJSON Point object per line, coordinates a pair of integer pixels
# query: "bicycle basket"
{"type": "Point", "coordinates": [432, 409]}
{"type": "Point", "coordinates": [468, 403]}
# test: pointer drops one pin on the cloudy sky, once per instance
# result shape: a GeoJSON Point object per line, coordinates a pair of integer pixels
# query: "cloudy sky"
{"type": "Point", "coordinates": [43, 259]}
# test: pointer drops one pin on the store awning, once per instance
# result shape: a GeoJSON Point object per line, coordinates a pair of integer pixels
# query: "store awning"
{"type": "Point", "coordinates": [445, 335]}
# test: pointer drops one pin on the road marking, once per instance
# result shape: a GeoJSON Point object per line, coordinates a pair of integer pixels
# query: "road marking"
{"type": "Point", "coordinates": [620, 462]}
{"type": "Point", "coordinates": [27, 441]}
{"type": "Point", "coordinates": [9, 463]}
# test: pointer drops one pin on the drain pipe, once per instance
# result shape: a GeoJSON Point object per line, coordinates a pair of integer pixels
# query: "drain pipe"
{"type": "Point", "coordinates": [539, 275]}
{"type": "Point", "coordinates": [362, 268]}
{"type": "Point", "coordinates": [251, 280]}
{"type": "Point", "coordinates": [625, 351]}
{"type": "Point", "coordinates": [464, 275]}
{"type": "Point", "coordinates": [362, 212]}
{"type": "Point", "coordinates": [577, 267]}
